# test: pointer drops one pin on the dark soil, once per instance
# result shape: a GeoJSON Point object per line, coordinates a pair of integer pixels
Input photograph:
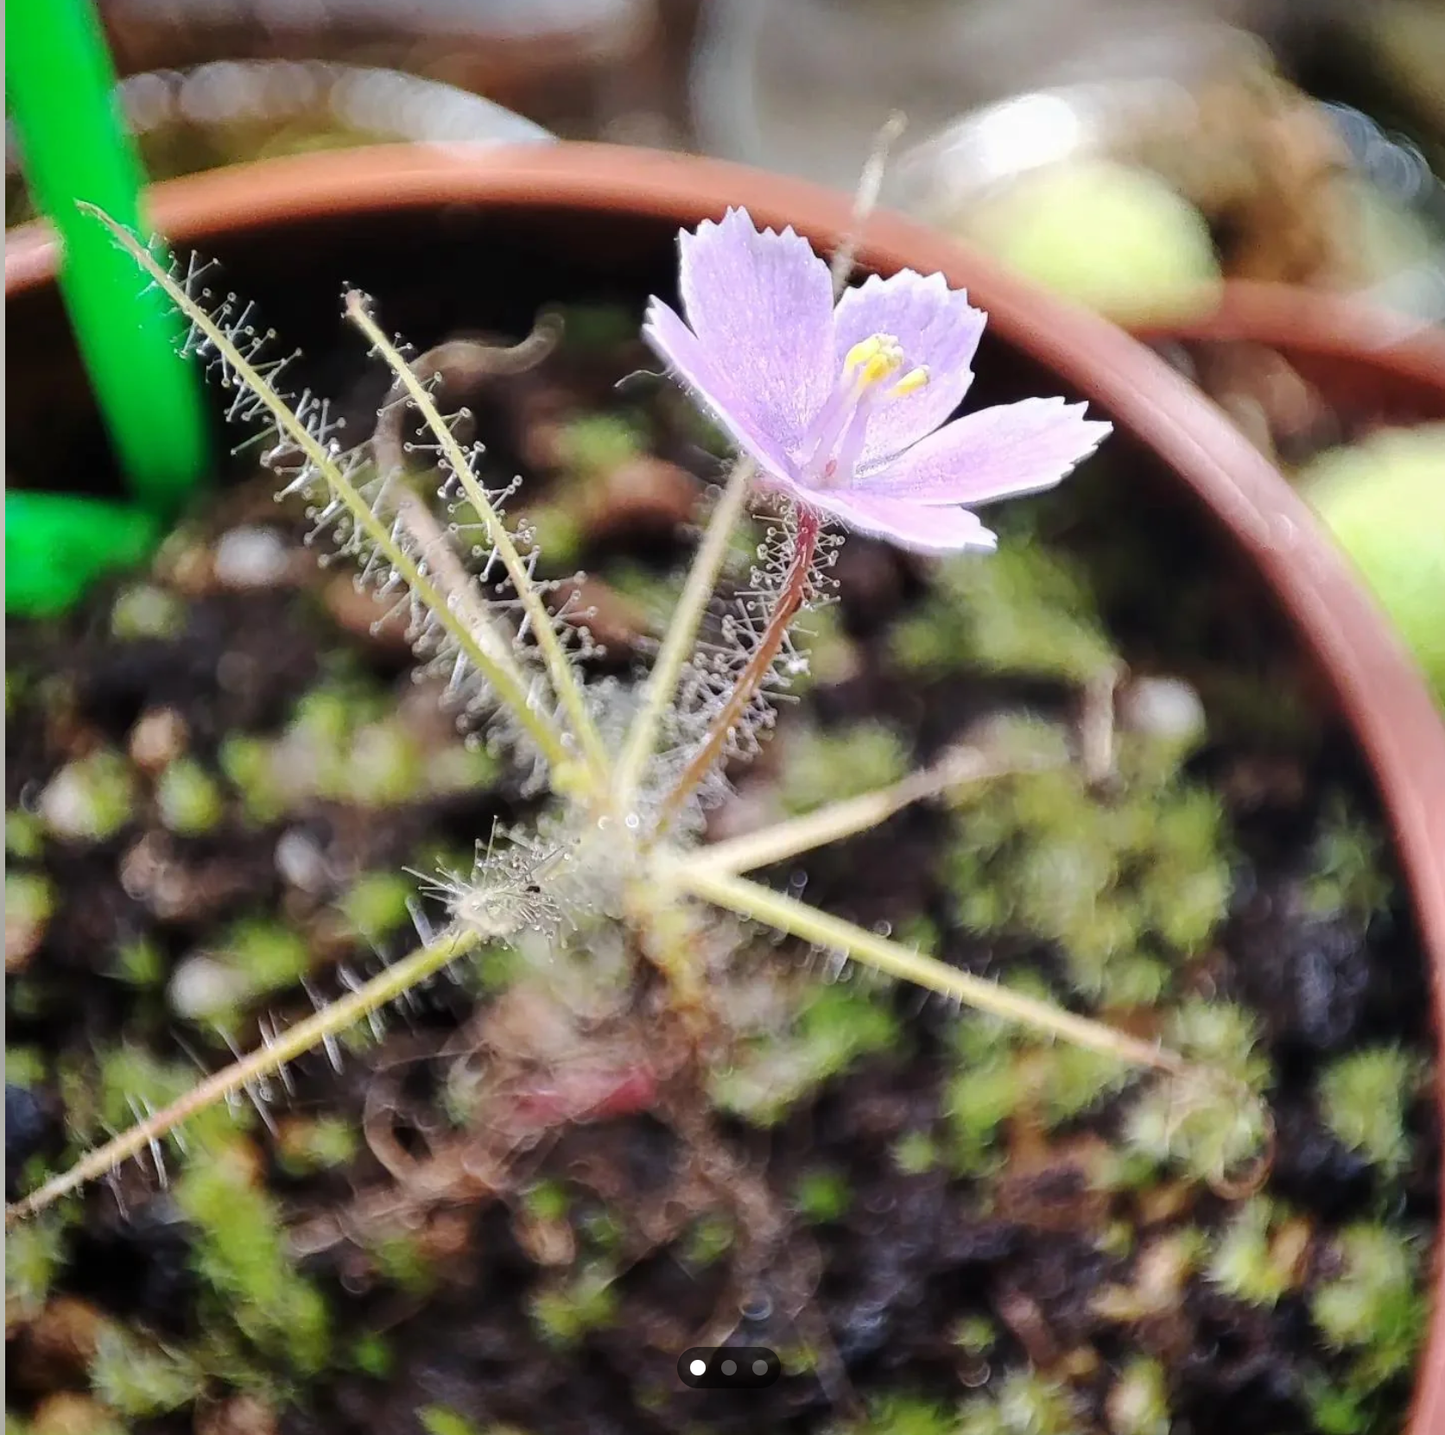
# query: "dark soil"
{"type": "Point", "coordinates": [913, 1254]}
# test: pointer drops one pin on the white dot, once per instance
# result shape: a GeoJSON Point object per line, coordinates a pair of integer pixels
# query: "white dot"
{"type": "Point", "coordinates": [698, 1367]}
{"type": "Point", "coordinates": [729, 1367]}
{"type": "Point", "coordinates": [760, 1367]}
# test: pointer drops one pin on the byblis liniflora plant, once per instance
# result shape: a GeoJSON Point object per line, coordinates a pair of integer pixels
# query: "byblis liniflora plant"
{"type": "Point", "coordinates": [842, 405]}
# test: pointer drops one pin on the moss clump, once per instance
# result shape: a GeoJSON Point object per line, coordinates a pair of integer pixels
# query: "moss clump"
{"type": "Point", "coordinates": [1364, 1099]}
{"type": "Point", "coordinates": [1138, 1402]}
{"type": "Point", "coordinates": [836, 1025]}
{"type": "Point", "coordinates": [139, 963]}
{"type": "Point", "coordinates": [1021, 610]}
{"type": "Point", "coordinates": [30, 902]}
{"type": "Point", "coordinates": [34, 1255]}
{"type": "Point", "coordinates": [1125, 886]}
{"type": "Point", "coordinates": [89, 799]}
{"type": "Point", "coordinates": [832, 766]}
{"type": "Point", "coordinates": [146, 611]}
{"type": "Point", "coordinates": [255, 957]}
{"type": "Point", "coordinates": [188, 798]}
{"type": "Point", "coordinates": [915, 1152]}
{"type": "Point", "coordinates": [1260, 1256]}
{"type": "Point", "coordinates": [822, 1196]}
{"type": "Point", "coordinates": [565, 1312]}
{"type": "Point", "coordinates": [305, 1144]}
{"type": "Point", "coordinates": [708, 1240]}
{"type": "Point", "coordinates": [1374, 1307]}
{"type": "Point", "coordinates": [1347, 867]}
{"type": "Point", "coordinates": [1022, 1403]}
{"type": "Point", "coordinates": [24, 835]}
{"type": "Point", "coordinates": [399, 1259]}
{"type": "Point", "coordinates": [376, 904]}
{"type": "Point", "coordinates": [598, 443]}
{"type": "Point", "coordinates": [130, 1083]}
{"type": "Point", "coordinates": [906, 1415]}
{"type": "Point", "coordinates": [240, 1255]}
{"type": "Point", "coordinates": [1002, 1072]}
{"type": "Point", "coordinates": [137, 1378]}
{"type": "Point", "coordinates": [1214, 1122]}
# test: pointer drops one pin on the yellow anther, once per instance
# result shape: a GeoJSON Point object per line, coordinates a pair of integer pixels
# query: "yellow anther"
{"type": "Point", "coordinates": [911, 382]}
{"type": "Point", "coordinates": [873, 359]}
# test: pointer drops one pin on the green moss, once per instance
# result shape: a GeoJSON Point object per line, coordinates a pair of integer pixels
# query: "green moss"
{"type": "Point", "coordinates": [1124, 886]}
{"type": "Point", "coordinates": [836, 1026]}
{"type": "Point", "coordinates": [24, 835]}
{"type": "Point", "coordinates": [240, 1254]}
{"type": "Point", "coordinates": [30, 902]}
{"type": "Point", "coordinates": [557, 532]}
{"type": "Point", "coordinates": [822, 1196]}
{"type": "Point", "coordinates": [906, 1415]}
{"type": "Point", "coordinates": [915, 1152]}
{"type": "Point", "coordinates": [461, 768]}
{"type": "Point", "coordinates": [975, 1335]}
{"type": "Point", "coordinates": [319, 1144]}
{"type": "Point", "coordinates": [250, 767]}
{"type": "Point", "coordinates": [372, 1355]}
{"type": "Point", "coordinates": [138, 1378]}
{"type": "Point", "coordinates": [1138, 1403]}
{"type": "Point", "coordinates": [34, 1256]}
{"type": "Point", "coordinates": [130, 1083]}
{"type": "Point", "coordinates": [145, 611]}
{"type": "Point", "coordinates": [1258, 1256]}
{"type": "Point", "coordinates": [1339, 1409]}
{"type": "Point", "coordinates": [709, 1239]}
{"type": "Point", "coordinates": [443, 1420]}
{"type": "Point", "coordinates": [1002, 1070]}
{"type": "Point", "coordinates": [593, 328]}
{"type": "Point", "coordinates": [1214, 1121]}
{"type": "Point", "coordinates": [832, 655]}
{"type": "Point", "coordinates": [598, 443]}
{"type": "Point", "coordinates": [1022, 1403]}
{"type": "Point", "coordinates": [1021, 610]}
{"type": "Point", "coordinates": [1347, 866]}
{"type": "Point", "coordinates": [1364, 1099]}
{"type": "Point", "coordinates": [24, 1066]}
{"type": "Point", "coordinates": [399, 1259]}
{"type": "Point", "coordinates": [821, 767]}
{"type": "Point", "coordinates": [566, 1311]}
{"type": "Point", "coordinates": [139, 963]}
{"type": "Point", "coordinates": [384, 767]}
{"type": "Point", "coordinates": [89, 799]}
{"type": "Point", "coordinates": [188, 798]}
{"type": "Point", "coordinates": [376, 904]}
{"type": "Point", "coordinates": [547, 1201]}
{"type": "Point", "coordinates": [1374, 1307]}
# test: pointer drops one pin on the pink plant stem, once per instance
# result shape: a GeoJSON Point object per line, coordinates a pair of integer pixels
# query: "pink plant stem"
{"type": "Point", "coordinates": [790, 598]}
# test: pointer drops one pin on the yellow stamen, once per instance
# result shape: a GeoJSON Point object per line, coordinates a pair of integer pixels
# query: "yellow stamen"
{"type": "Point", "coordinates": [911, 382]}
{"type": "Point", "coordinates": [872, 360]}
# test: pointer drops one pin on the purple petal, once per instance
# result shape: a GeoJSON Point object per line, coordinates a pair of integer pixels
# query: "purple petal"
{"type": "Point", "coordinates": [995, 453]}
{"type": "Point", "coordinates": [908, 525]}
{"type": "Point", "coordinates": [938, 329]}
{"type": "Point", "coordinates": [761, 305]}
{"type": "Point", "coordinates": [712, 386]}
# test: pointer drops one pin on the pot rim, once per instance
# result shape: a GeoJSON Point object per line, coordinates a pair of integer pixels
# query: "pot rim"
{"type": "Point", "coordinates": [1381, 693]}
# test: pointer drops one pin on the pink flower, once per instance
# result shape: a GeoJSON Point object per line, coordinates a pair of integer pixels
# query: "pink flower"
{"type": "Point", "coordinates": [845, 408]}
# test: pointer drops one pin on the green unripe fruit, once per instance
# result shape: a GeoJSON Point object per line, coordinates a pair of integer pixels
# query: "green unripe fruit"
{"type": "Point", "coordinates": [1384, 501]}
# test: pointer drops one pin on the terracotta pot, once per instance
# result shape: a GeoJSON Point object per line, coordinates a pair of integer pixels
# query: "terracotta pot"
{"type": "Point", "coordinates": [1364, 360]}
{"type": "Point", "coordinates": [601, 219]}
